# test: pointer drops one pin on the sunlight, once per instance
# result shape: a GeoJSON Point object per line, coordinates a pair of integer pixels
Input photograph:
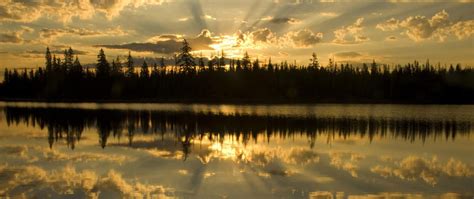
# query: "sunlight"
{"type": "Point", "coordinates": [225, 150]}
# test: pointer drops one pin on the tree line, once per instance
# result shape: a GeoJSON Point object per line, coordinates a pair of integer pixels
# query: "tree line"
{"type": "Point", "coordinates": [196, 79]}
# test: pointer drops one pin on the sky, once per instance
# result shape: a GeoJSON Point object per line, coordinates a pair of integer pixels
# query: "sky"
{"type": "Point", "coordinates": [391, 32]}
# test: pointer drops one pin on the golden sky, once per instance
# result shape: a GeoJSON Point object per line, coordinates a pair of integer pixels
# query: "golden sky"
{"type": "Point", "coordinates": [357, 31]}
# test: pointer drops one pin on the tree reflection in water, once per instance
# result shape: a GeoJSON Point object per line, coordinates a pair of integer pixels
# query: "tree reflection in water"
{"type": "Point", "coordinates": [185, 127]}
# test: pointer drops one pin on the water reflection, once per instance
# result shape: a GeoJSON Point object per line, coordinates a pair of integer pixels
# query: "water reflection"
{"type": "Point", "coordinates": [186, 127]}
{"type": "Point", "coordinates": [126, 153]}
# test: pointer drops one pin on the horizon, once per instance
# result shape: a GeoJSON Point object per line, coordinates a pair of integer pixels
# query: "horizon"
{"type": "Point", "coordinates": [389, 32]}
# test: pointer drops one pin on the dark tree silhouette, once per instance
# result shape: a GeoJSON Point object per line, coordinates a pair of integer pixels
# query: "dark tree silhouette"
{"type": "Point", "coordinates": [186, 59]}
{"type": "Point", "coordinates": [243, 81]}
{"type": "Point", "coordinates": [103, 67]}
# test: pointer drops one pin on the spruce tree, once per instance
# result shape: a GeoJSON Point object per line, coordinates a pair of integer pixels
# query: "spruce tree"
{"type": "Point", "coordinates": [144, 72]}
{"type": "Point", "coordinates": [49, 62]}
{"type": "Point", "coordinates": [185, 59]}
{"type": "Point", "coordinates": [103, 67]}
{"type": "Point", "coordinates": [246, 61]}
{"type": "Point", "coordinates": [130, 69]}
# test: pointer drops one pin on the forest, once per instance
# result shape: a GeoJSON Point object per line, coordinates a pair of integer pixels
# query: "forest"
{"type": "Point", "coordinates": [246, 80]}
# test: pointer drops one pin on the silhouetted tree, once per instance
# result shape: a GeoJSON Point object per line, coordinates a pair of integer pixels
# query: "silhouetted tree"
{"type": "Point", "coordinates": [130, 68]}
{"type": "Point", "coordinates": [144, 72]}
{"type": "Point", "coordinates": [102, 67]}
{"type": "Point", "coordinates": [49, 60]}
{"type": "Point", "coordinates": [185, 59]}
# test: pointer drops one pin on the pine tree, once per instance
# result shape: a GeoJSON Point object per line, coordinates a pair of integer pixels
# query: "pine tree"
{"type": "Point", "coordinates": [103, 67]}
{"type": "Point", "coordinates": [222, 59]}
{"type": "Point", "coordinates": [256, 65]}
{"type": "Point", "coordinates": [246, 61]}
{"type": "Point", "coordinates": [130, 69]}
{"type": "Point", "coordinates": [314, 61]}
{"type": "Point", "coordinates": [68, 59]}
{"type": "Point", "coordinates": [185, 59]}
{"type": "Point", "coordinates": [201, 62]}
{"type": "Point", "coordinates": [144, 72]}
{"type": "Point", "coordinates": [155, 72]}
{"type": "Point", "coordinates": [162, 64]}
{"type": "Point", "coordinates": [76, 68]}
{"type": "Point", "coordinates": [238, 65]}
{"type": "Point", "coordinates": [117, 67]}
{"type": "Point", "coordinates": [49, 62]}
{"type": "Point", "coordinates": [270, 65]}
{"type": "Point", "coordinates": [373, 68]}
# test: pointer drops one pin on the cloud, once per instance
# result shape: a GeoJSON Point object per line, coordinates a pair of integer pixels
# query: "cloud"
{"type": "Point", "coordinates": [351, 34]}
{"type": "Point", "coordinates": [11, 37]}
{"type": "Point", "coordinates": [34, 181]}
{"type": "Point", "coordinates": [281, 20]}
{"type": "Point", "coordinates": [463, 29]}
{"type": "Point", "coordinates": [328, 14]}
{"type": "Point", "coordinates": [15, 37]}
{"type": "Point", "coordinates": [264, 37]}
{"type": "Point", "coordinates": [304, 38]}
{"type": "Point", "coordinates": [345, 55]}
{"type": "Point", "coordinates": [64, 11]}
{"type": "Point", "coordinates": [168, 44]}
{"type": "Point", "coordinates": [302, 156]}
{"type": "Point", "coordinates": [391, 38]}
{"type": "Point", "coordinates": [56, 51]}
{"type": "Point", "coordinates": [419, 28]}
{"type": "Point", "coordinates": [413, 168]}
{"type": "Point", "coordinates": [48, 34]}
{"type": "Point", "coordinates": [346, 161]}
{"type": "Point", "coordinates": [389, 25]}
{"type": "Point", "coordinates": [35, 153]}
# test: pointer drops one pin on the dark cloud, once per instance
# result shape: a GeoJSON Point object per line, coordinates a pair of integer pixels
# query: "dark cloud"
{"type": "Point", "coordinates": [12, 37]}
{"type": "Point", "coordinates": [167, 44]}
{"type": "Point", "coordinates": [285, 20]}
{"type": "Point", "coordinates": [197, 13]}
{"type": "Point", "coordinates": [47, 33]}
{"type": "Point", "coordinates": [391, 38]}
{"type": "Point", "coordinates": [164, 47]}
{"type": "Point", "coordinates": [350, 54]}
{"type": "Point", "coordinates": [56, 51]}
{"type": "Point", "coordinates": [15, 36]}
{"type": "Point", "coordinates": [304, 38]}
{"type": "Point", "coordinates": [262, 35]}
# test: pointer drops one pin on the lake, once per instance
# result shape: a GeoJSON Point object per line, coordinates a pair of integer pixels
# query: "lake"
{"type": "Point", "coordinates": [114, 150]}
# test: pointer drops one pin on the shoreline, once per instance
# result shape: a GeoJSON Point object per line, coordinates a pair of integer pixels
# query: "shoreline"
{"type": "Point", "coordinates": [236, 101]}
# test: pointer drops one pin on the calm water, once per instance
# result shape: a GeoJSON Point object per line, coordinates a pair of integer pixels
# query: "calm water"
{"type": "Point", "coordinates": [235, 151]}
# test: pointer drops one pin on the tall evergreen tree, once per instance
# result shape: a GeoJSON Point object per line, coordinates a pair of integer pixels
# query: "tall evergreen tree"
{"type": "Point", "coordinates": [76, 68]}
{"type": "Point", "coordinates": [256, 65]}
{"type": "Point", "coordinates": [117, 67]}
{"type": "Point", "coordinates": [222, 59]}
{"type": "Point", "coordinates": [201, 62]}
{"type": "Point", "coordinates": [155, 71]}
{"type": "Point", "coordinates": [103, 66]}
{"type": "Point", "coordinates": [130, 69]}
{"type": "Point", "coordinates": [49, 61]}
{"type": "Point", "coordinates": [162, 64]}
{"type": "Point", "coordinates": [246, 61]}
{"type": "Point", "coordinates": [185, 58]}
{"type": "Point", "coordinates": [314, 61]}
{"type": "Point", "coordinates": [68, 59]}
{"type": "Point", "coordinates": [144, 72]}
{"type": "Point", "coordinates": [270, 65]}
